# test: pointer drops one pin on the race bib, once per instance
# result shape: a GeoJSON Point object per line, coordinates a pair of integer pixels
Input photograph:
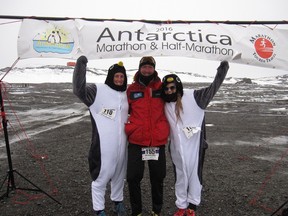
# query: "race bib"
{"type": "Point", "coordinates": [150, 153]}
{"type": "Point", "coordinates": [190, 131]}
{"type": "Point", "coordinates": [109, 113]}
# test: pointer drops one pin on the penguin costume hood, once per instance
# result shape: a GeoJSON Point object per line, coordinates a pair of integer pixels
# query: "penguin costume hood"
{"type": "Point", "coordinates": [171, 78]}
{"type": "Point", "coordinates": [116, 68]}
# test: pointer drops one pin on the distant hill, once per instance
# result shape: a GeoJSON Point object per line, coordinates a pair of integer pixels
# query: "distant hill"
{"type": "Point", "coordinates": [60, 74]}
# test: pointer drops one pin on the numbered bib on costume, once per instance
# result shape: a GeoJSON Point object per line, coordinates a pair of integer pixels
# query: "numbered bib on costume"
{"type": "Point", "coordinates": [109, 113]}
{"type": "Point", "coordinates": [190, 131]}
{"type": "Point", "coordinates": [150, 153]}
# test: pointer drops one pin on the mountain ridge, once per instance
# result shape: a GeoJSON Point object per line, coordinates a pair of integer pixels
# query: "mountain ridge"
{"type": "Point", "coordinates": [62, 73]}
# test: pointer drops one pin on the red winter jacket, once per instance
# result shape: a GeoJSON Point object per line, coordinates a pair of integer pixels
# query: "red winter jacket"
{"type": "Point", "coordinates": [147, 124]}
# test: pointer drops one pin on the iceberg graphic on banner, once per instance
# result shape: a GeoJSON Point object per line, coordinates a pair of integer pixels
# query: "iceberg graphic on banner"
{"type": "Point", "coordinates": [53, 41]}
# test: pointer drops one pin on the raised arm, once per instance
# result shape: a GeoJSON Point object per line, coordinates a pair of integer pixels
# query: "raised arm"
{"type": "Point", "coordinates": [86, 93]}
{"type": "Point", "coordinates": [205, 95]}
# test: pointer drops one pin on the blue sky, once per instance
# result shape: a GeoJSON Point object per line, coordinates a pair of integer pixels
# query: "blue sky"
{"type": "Point", "coordinates": [221, 10]}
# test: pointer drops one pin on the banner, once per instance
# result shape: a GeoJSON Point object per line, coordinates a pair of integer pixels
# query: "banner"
{"type": "Point", "coordinates": [253, 45]}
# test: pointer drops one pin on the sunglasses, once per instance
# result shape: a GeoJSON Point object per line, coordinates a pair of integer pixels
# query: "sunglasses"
{"type": "Point", "coordinates": [172, 88]}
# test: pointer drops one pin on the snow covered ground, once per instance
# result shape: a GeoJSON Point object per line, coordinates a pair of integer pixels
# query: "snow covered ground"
{"type": "Point", "coordinates": [63, 74]}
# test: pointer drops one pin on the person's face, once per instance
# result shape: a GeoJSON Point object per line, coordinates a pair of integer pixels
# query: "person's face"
{"type": "Point", "coordinates": [147, 70]}
{"type": "Point", "coordinates": [170, 88]}
{"type": "Point", "coordinates": [119, 79]}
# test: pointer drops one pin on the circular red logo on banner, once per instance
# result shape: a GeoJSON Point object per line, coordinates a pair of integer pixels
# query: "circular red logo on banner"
{"type": "Point", "coordinates": [264, 48]}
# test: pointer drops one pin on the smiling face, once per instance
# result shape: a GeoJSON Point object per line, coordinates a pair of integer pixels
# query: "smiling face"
{"type": "Point", "coordinates": [119, 79]}
{"type": "Point", "coordinates": [147, 70]}
{"type": "Point", "coordinates": [170, 88]}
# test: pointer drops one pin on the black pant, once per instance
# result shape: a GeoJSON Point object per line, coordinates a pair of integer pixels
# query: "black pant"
{"type": "Point", "coordinates": [135, 171]}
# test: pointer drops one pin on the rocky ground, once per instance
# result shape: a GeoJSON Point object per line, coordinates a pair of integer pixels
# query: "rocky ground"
{"type": "Point", "coordinates": [245, 171]}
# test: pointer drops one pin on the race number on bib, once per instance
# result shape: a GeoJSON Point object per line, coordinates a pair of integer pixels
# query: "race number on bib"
{"type": "Point", "coordinates": [109, 113]}
{"type": "Point", "coordinates": [150, 153]}
{"type": "Point", "coordinates": [189, 131]}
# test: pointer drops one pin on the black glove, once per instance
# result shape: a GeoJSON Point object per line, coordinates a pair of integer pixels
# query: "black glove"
{"type": "Point", "coordinates": [82, 60]}
{"type": "Point", "coordinates": [224, 65]}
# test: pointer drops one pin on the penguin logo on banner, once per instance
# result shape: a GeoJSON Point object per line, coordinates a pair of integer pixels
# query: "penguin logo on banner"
{"type": "Point", "coordinates": [55, 40]}
{"type": "Point", "coordinates": [54, 37]}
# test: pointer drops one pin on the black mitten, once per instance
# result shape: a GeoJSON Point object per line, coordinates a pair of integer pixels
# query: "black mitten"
{"type": "Point", "coordinates": [224, 65]}
{"type": "Point", "coordinates": [82, 60]}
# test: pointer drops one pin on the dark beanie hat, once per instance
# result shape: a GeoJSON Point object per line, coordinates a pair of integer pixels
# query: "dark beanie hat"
{"type": "Point", "coordinates": [147, 60]}
{"type": "Point", "coordinates": [116, 68]}
{"type": "Point", "coordinates": [172, 78]}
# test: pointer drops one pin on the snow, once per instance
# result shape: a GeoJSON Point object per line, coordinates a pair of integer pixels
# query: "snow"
{"type": "Point", "coordinates": [63, 74]}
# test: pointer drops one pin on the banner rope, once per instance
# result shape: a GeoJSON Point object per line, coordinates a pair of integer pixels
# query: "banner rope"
{"type": "Point", "coordinates": [5, 23]}
{"type": "Point", "coordinates": [39, 158]}
{"type": "Point", "coordinates": [147, 21]}
{"type": "Point", "coordinates": [9, 69]}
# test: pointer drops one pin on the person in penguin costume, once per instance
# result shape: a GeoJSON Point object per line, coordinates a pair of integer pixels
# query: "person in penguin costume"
{"type": "Point", "coordinates": [185, 111]}
{"type": "Point", "coordinates": [108, 107]}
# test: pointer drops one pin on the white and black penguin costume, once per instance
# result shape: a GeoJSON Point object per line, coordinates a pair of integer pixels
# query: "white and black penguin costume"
{"type": "Point", "coordinates": [188, 135]}
{"type": "Point", "coordinates": [108, 108]}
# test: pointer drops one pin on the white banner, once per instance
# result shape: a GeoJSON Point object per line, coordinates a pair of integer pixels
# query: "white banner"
{"type": "Point", "coordinates": [253, 45]}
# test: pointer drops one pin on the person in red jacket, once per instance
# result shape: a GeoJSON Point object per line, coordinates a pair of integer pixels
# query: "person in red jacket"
{"type": "Point", "coordinates": [147, 130]}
